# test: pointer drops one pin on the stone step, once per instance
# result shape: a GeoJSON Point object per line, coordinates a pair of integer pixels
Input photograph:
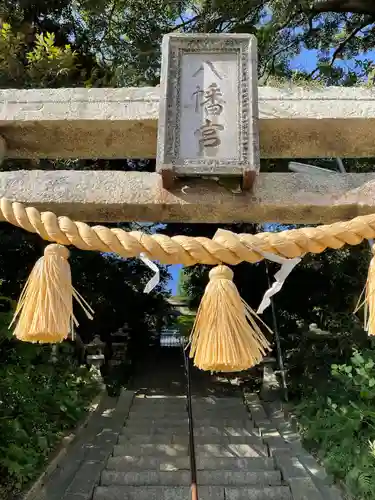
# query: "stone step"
{"type": "Point", "coordinates": [236, 403]}
{"type": "Point", "coordinates": [236, 414]}
{"type": "Point", "coordinates": [161, 412]}
{"type": "Point", "coordinates": [183, 478]}
{"type": "Point", "coordinates": [184, 439]}
{"type": "Point", "coordinates": [271, 493]}
{"type": "Point", "coordinates": [209, 400]}
{"type": "Point", "coordinates": [168, 423]}
{"type": "Point", "coordinates": [158, 397]}
{"type": "Point", "coordinates": [182, 403]}
{"type": "Point", "coordinates": [195, 399]}
{"type": "Point", "coordinates": [126, 463]}
{"type": "Point", "coordinates": [183, 493]}
{"type": "Point", "coordinates": [182, 407]}
{"type": "Point", "coordinates": [202, 450]}
{"type": "Point", "coordinates": [208, 430]}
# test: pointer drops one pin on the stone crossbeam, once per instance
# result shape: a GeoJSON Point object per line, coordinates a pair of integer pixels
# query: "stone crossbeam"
{"type": "Point", "coordinates": [112, 196]}
{"type": "Point", "coordinates": [122, 123]}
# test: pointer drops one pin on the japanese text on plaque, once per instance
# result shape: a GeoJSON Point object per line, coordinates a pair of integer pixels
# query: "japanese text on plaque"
{"type": "Point", "coordinates": [212, 103]}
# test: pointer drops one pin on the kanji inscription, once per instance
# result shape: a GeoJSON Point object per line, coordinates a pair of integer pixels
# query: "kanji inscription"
{"type": "Point", "coordinates": [211, 102]}
{"type": "Point", "coordinates": [208, 106]}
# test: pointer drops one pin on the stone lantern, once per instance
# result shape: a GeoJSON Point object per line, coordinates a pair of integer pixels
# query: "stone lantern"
{"type": "Point", "coordinates": [95, 355]}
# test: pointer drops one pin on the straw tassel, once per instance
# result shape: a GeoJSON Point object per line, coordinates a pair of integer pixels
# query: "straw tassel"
{"type": "Point", "coordinates": [45, 309]}
{"type": "Point", "coordinates": [225, 335]}
{"type": "Point", "coordinates": [369, 301]}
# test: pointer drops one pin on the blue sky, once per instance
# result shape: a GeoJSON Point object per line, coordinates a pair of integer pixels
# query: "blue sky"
{"type": "Point", "coordinates": [306, 60]}
{"type": "Point", "coordinates": [174, 270]}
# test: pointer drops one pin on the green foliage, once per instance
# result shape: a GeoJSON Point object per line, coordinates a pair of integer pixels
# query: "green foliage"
{"type": "Point", "coordinates": [39, 400]}
{"type": "Point", "coordinates": [44, 65]}
{"type": "Point", "coordinates": [308, 357]}
{"type": "Point", "coordinates": [118, 41]}
{"type": "Point", "coordinates": [340, 424]}
{"type": "Point", "coordinates": [7, 307]}
{"type": "Point", "coordinates": [47, 61]}
{"type": "Point", "coordinates": [185, 324]}
{"type": "Point", "coordinates": [182, 284]}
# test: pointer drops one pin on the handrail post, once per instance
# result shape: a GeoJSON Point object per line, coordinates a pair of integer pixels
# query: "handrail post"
{"type": "Point", "coordinates": [193, 464]}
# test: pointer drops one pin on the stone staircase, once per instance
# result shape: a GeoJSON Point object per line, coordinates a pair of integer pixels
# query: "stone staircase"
{"type": "Point", "coordinates": [241, 454]}
{"type": "Point", "coordinates": [136, 448]}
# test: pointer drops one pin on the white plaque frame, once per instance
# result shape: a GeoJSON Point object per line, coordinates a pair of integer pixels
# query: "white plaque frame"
{"type": "Point", "coordinates": [245, 162]}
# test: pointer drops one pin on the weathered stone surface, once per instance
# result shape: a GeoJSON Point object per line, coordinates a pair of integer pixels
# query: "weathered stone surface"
{"type": "Point", "coordinates": [274, 493]}
{"type": "Point", "coordinates": [202, 450]}
{"type": "Point", "coordinates": [288, 431]}
{"type": "Point", "coordinates": [139, 196]}
{"type": "Point", "coordinates": [202, 431]}
{"type": "Point", "coordinates": [184, 439]}
{"type": "Point", "coordinates": [197, 96]}
{"type": "Point", "coordinates": [274, 408]}
{"type": "Point", "coordinates": [122, 123]}
{"type": "Point", "coordinates": [156, 493]}
{"type": "Point", "coordinates": [80, 472]}
{"type": "Point", "coordinates": [234, 463]}
{"type": "Point", "coordinates": [237, 470]}
{"type": "Point", "coordinates": [179, 405]}
{"type": "Point", "coordinates": [331, 493]}
{"type": "Point", "coordinates": [277, 445]}
{"type": "Point", "coordinates": [270, 433]}
{"type": "Point", "coordinates": [207, 416]}
{"type": "Point", "coordinates": [265, 426]}
{"type": "Point", "coordinates": [170, 423]}
{"type": "Point", "coordinates": [236, 412]}
{"type": "Point", "coordinates": [257, 411]}
{"type": "Point", "coordinates": [251, 397]}
{"type": "Point", "coordinates": [125, 463]}
{"type": "Point", "coordinates": [290, 467]}
{"type": "Point", "coordinates": [183, 478]}
{"type": "Point", "coordinates": [315, 470]}
{"type": "Point", "coordinates": [182, 493]}
{"type": "Point", "coordinates": [84, 481]}
{"type": "Point", "coordinates": [303, 488]}
{"type": "Point", "coordinates": [165, 400]}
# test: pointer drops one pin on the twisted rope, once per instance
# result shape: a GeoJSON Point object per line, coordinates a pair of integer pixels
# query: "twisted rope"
{"type": "Point", "coordinates": [226, 247]}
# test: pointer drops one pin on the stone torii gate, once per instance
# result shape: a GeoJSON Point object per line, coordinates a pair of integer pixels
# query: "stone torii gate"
{"type": "Point", "coordinates": [207, 121]}
{"type": "Point", "coordinates": [220, 72]}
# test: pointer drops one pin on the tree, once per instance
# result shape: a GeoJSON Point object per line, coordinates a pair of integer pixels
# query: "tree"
{"type": "Point", "coordinates": [118, 41]}
{"type": "Point", "coordinates": [354, 6]}
{"type": "Point", "coordinates": [114, 287]}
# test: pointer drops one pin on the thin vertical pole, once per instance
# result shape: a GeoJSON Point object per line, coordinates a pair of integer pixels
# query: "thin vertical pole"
{"type": "Point", "coordinates": [193, 464]}
{"type": "Point", "coordinates": [280, 360]}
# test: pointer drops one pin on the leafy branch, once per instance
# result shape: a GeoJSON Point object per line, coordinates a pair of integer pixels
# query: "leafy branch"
{"type": "Point", "coordinates": [344, 6]}
{"type": "Point", "coordinates": [341, 47]}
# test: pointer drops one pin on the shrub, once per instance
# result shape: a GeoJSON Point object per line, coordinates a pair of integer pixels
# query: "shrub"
{"type": "Point", "coordinates": [39, 400]}
{"type": "Point", "coordinates": [340, 426]}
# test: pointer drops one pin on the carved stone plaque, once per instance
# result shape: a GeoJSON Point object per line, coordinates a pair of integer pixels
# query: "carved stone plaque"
{"type": "Point", "coordinates": [208, 106]}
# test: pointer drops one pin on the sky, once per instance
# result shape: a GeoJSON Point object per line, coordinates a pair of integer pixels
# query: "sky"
{"type": "Point", "coordinates": [173, 283]}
